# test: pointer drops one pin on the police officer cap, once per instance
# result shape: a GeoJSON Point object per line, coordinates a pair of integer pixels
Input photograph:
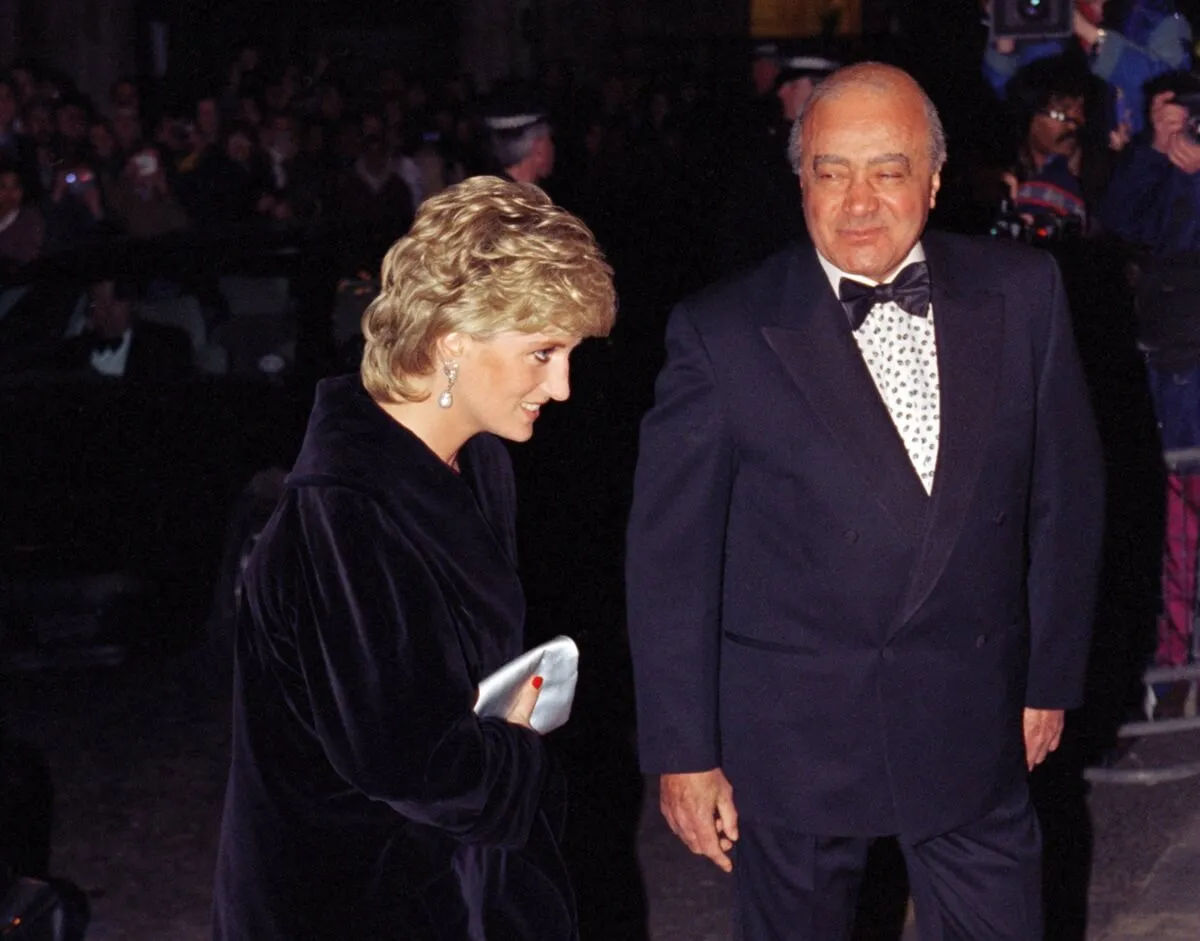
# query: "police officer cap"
{"type": "Point", "coordinates": [765, 49]}
{"type": "Point", "coordinates": [513, 110]}
{"type": "Point", "coordinates": [805, 63]}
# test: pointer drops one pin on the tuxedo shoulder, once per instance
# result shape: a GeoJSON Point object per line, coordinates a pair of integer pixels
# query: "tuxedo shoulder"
{"type": "Point", "coordinates": [986, 255]}
{"type": "Point", "coordinates": [737, 295]}
{"type": "Point", "coordinates": [162, 332]}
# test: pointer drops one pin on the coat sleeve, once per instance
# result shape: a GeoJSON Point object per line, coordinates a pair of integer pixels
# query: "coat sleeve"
{"type": "Point", "coordinates": [389, 696]}
{"type": "Point", "coordinates": [1066, 515]}
{"type": "Point", "coordinates": [674, 559]}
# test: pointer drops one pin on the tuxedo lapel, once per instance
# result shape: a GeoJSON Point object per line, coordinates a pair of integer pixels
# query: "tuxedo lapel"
{"type": "Point", "coordinates": [815, 345]}
{"type": "Point", "coordinates": [969, 326]}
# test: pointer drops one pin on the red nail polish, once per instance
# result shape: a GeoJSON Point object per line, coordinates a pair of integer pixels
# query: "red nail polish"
{"type": "Point", "coordinates": [537, 682]}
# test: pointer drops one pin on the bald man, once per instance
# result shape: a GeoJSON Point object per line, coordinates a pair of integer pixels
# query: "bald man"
{"type": "Point", "coordinates": [864, 545]}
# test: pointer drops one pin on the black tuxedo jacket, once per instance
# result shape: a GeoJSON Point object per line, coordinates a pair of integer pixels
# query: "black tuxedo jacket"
{"type": "Point", "coordinates": [854, 653]}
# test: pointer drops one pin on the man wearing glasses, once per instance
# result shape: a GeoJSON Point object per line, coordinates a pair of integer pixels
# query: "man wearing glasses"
{"type": "Point", "coordinates": [1054, 175]}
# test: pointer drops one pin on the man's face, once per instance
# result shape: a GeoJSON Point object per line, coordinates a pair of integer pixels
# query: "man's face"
{"type": "Point", "coordinates": [109, 314]}
{"type": "Point", "coordinates": [238, 148]}
{"type": "Point", "coordinates": [1055, 129]}
{"type": "Point", "coordinates": [544, 155]}
{"type": "Point", "coordinates": [867, 177]}
{"type": "Point", "coordinates": [207, 118]}
{"type": "Point", "coordinates": [794, 95]}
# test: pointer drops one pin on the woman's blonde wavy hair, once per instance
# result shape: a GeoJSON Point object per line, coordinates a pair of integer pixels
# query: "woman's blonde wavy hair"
{"type": "Point", "coordinates": [485, 256]}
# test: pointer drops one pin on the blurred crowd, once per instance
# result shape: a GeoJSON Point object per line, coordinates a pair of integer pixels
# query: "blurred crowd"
{"type": "Point", "coordinates": [272, 148]}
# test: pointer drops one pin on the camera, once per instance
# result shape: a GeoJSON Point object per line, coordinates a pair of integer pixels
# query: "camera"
{"type": "Point", "coordinates": [1042, 229]}
{"type": "Point", "coordinates": [146, 163]}
{"type": "Point", "coordinates": [79, 180]}
{"type": "Point", "coordinates": [1031, 19]}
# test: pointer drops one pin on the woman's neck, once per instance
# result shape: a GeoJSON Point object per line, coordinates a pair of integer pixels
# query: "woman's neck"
{"type": "Point", "coordinates": [435, 426]}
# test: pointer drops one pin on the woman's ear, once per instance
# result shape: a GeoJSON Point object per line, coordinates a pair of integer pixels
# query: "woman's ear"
{"type": "Point", "coordinates": [451, 347]}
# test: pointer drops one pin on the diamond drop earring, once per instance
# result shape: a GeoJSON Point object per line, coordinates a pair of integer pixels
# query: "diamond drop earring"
{"type": "Point", "coordinates": [446, 399]}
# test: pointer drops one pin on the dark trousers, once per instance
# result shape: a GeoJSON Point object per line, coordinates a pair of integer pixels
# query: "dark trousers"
{"type": "Point", "coordinates": [981, 882]}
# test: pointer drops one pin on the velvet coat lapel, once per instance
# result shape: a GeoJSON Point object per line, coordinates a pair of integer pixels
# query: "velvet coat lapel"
{"type": "Point", "coordinates": [813, 340]}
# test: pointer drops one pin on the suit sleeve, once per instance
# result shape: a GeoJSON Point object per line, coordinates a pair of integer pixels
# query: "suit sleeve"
{"type": "Point", "coordinates": [1066, 516]}
{"type": "Point", "coordinates": [674, 558]}
{"type": "Point", "coordinates": [389, 695]}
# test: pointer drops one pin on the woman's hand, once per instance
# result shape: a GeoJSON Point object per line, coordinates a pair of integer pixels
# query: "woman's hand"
{"type": "Point", "coordinates": [522, 710]}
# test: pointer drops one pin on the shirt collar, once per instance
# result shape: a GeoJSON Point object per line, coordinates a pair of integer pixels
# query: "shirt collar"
{"type": "Point", "coordinates": [835, 274]}
{"type": "Point", "coordinates": [112, 362]}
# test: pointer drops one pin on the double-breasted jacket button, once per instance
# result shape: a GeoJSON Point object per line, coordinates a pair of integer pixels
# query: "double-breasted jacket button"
{"type": "Point", "coordinates": [999, 517]}
{"type": "Point", "coordinates": [981, 641]}
{"type": "Point", "coordinates": [851, 536]}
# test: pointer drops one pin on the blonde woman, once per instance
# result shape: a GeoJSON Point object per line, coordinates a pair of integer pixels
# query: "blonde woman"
{"type": "Point", "coordinates": [365, 798]}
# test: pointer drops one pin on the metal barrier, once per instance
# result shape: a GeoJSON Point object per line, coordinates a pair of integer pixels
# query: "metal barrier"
{"type": "Point", "coordinates": [1180, 597]}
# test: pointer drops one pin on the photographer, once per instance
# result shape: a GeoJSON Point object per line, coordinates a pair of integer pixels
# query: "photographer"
{"type": "Point", "coordinates": [1154, 203]}
{"type": "Point", "coordinates": [1127, 43]}
{"type": "Point", "coordinates": [1154, 199]}
{"type": "Point", "coordinates": [142, 201]}
{"type": "Point", "coordinates": [1049, 188]}
{"type": "Point", "coordinates": [74, 207]}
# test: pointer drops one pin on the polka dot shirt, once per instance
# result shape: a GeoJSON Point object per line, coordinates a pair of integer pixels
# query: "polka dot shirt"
{"type": "Point", "coordinates": [900, 352]}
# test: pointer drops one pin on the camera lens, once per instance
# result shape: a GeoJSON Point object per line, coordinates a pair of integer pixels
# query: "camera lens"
{"type": "Point", "coordinates": [1034, 9]}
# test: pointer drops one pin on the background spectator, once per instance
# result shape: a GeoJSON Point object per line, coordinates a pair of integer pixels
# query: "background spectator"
{"type": "Point", "coordinates": [74, 207]}
{"type": "Point", "coordinates": [1154, 202]}
{"type": "Point", "coordinates": [21, 226]}
{"type": "Point", "coordinates": [1127, 43]}
{"type": "Point", "coordinates": [116, 343]}
{"type": "Point", "coordinates": [142, 202]}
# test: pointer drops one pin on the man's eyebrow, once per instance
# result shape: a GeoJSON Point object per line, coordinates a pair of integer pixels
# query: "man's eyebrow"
{"type": "Point", "coordinates": [825, 160]}
{"type": "Point", "coordinates": [890, 158]}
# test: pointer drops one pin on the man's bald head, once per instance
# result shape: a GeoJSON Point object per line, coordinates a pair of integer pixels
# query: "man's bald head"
{"type": "Point", "coordinates": [880, 78]}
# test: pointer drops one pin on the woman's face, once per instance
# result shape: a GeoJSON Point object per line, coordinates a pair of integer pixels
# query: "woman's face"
{"type": "Point", "coordinates": [504, 382]}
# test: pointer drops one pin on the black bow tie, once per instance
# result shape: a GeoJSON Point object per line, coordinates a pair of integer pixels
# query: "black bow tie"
{"type": "Point", "coordinates": [909, 290]}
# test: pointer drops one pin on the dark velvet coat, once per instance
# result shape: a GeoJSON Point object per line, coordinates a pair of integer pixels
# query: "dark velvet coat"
{"type": "Point", "coordinates": [854, 653]}
{"type": "Point", "coordinates": [365, 798]}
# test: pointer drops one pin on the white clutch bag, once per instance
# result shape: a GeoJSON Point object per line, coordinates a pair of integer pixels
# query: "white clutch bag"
{"type": "Point", "coordinates": [556, 662]}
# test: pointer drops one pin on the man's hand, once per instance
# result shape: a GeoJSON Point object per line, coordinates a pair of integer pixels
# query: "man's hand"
{"type": "Point", "coordinates": [1168, 120]}
{"type": "Point", "coordinates": [1043, 732]}
{"type": "Point", "coordinates": [1184, 153]}
{"type": "Point", "coordinates": [1087, 31]}
{"type": "Point", "coordinates": [699, 809]}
